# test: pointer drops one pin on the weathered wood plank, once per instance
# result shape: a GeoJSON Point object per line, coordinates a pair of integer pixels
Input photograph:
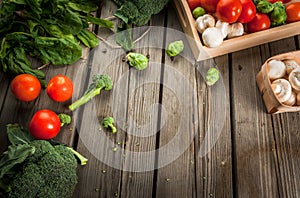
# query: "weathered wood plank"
{"type": "Point", "coordinates": [176, 174]}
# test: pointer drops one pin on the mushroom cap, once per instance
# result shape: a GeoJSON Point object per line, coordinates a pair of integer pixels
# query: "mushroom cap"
{"type": "Point", "coordinates": [276, 69]}
{"type": "Point", "coordinates": [292, 100]}
{"type": "Point", "coordinates": [294, 79]}
{"type": "Point", "coordinates": [290, 65]}
{"type": "Point", "coordinates": [282, 89]}
{"type": "Point", "coordinates": [224, 27]}
{"type": "Point", "coordinates": [204, 22]}
{"type": "Point", "coordinates": [212, 37]}
{"type": "Point", "coordinates": [236, 29]}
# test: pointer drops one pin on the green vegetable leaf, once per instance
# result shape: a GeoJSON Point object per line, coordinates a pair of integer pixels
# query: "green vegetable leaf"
{"type": "Point", "coordinates": [18, 135]}
{"type": "Point", "coordinates": [14, 155]}
{"type": "Point", "coordinates": [137, 60]}
{"type": "Point", "coordinates": [99, 21]}
{"type": "Point", "coordinates": [124, 37]}
{"type": "Point", "coordinates": [175, 48]}
{"type": "Point", "coordinates": [88, 38]}
{"type": "Point", "coordinates": [83, 7]}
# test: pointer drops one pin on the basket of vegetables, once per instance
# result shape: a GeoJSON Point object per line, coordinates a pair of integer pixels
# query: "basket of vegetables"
{"type": "Point", "coordinates": [218, 27]}
{"type": "Point", "coordinates": [279, 83]}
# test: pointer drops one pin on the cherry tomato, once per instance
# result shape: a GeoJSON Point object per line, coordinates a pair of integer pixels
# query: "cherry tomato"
{"type": "Point", "coordinates": [229, 10]}
{"type": "Point", "coordinates": [260, 22]}
{"type": "Point", "coordinates": [25, 87]}
{"type": "Point", "coordinates": [209, 5]}
{"type": "Point", "coordinates": [60, 88]}
{"type": "Point", "coordinates": [248, 11]}
{"type": "Point", "coordinates": [44, 125]}
{"type": "Point", "coordinates": [193, 4]}
{"type": "Point", "coordinates": [293, 12]}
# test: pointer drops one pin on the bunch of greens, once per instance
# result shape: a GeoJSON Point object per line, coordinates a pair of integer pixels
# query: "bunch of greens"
{"type": "Point", "coordinates": [47, 30]}
{"type": "Point", "coordinates": [36, 168]}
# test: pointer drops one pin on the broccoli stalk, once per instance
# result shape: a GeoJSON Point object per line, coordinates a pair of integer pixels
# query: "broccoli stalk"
{"type": "Point", "coordinates": [81, 158]}
{"type": "Point", "coordinates": [108, 122]}
{"type": "Point", "coordinates": [99, 82]}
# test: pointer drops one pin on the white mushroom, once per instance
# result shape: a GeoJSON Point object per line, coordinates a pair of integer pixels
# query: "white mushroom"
{"type": "Point", "coordinates": [294, 79]}
{"type": "Point", "coordinates": [283, 89]}
{"type": "Point", "coordinates": [224, 27]}
{"type": "Point", "coordinates": [292, 100]}
{"type": "Point", "coordinates": [235, 29]}
{"type": "Point", "coordinates": [290, 65]}
{"type": "Point", "coordinates": [212, 37]}
{"type": "Point", "coordinates": [204, 22]}
{"type": "Point", "coordinates": [276, 69]}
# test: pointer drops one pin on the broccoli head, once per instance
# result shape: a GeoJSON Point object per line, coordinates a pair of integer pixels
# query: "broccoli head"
{"type": "Point", "coordinates": [99, 82]}
{"type": "Point", "coordinates": [49, 173]}
{"type": "Point", "coordinates": [108, 122]}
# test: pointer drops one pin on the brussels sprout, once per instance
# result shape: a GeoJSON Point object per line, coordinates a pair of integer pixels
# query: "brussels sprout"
{"type": "Point", "coordinates": [137, 60]}
{"type": "Point", "coordinates": [175, 48]}
{"type": "Point", "coordinates": [264, 7]}
{"type": "Point", "coordinates": [212, 76]}
{"type": "Point", "coordinates": [278, 15]}
{"type": "Point", "coordinates": [197, 12]}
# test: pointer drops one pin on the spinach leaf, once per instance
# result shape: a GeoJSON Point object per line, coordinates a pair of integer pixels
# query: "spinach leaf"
{"type": "Point", "coordinates": [88, 38]}
{"type": "Point", "coordinates": [124, 37]}
{"type": "Point", "coordinates": [18, 135]}
{"type": "Point", "coordinates": [99, 21]}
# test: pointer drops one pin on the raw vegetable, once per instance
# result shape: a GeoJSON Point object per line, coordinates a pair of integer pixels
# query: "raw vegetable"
{"type": "Point", "coordinates": [99, 82]}
{"type": "Point", "coordinates": [282, 88]}
{"type": "Point", "coordinates": [259, 23]}
{"type": "Point", "coordinates": [293, 12]}
{"type": "Point", "coordinates": [138, 12]}
{"type": "Point", "coordinates": [108, 122]}
{"type": "Point", "coordinates": [64, 119]}
{"type": "Point", "coordinates": [212, 76]}
{"type": "Point", "coordinates": [212, 37]}
{"type": "Point", "coordinates": [60, 88]}
{"type": "Point", "coordinates": [193, 4]}
{"type": "Point", "coordinates": [278, 15]}
{"type": "Point", "coordinates": [204, 22]}
{"type": "Point", "coordinates": [248, 11]}
{"type": "Point", "coordinates": [224, 27]}
{"type": "Point", "coordinates": [276, 69]}
{"type": "Point", "coordinates": [264, 6]}
{"type": "Point", "coordinates": [137, 60]}
{"type": "Point", "coordinates": [124, 37]}
{"type": "Point", "coordinates": [229, 10]}
{"type": "Point", "coordinates": [25, 87]}
{"type": "Point", "coordinates": [294, 78]}
{"type": "Point", "coordinates": [35, 168]}
{"type": "Point", "coordinates": [209, 5]}
{"type": "Point", "coordinates": [44, 125]}
{"type": "Point", "coordinates": [46, 30]}
{"type": "Point", "coordinates": [235, 29]}
{"type": "Point", "coordinates": [174, 48]}
{"type": "Point", "coordinates": [198, 11]}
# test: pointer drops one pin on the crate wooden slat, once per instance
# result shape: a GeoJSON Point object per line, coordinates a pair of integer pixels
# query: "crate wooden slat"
{"type": "Point", "coordinates": [202, 52]}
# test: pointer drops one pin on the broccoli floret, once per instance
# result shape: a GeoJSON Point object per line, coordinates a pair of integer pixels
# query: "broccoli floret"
{"type": "Point", "coordinates": [99, 82]}
{"type": "Point", "coordinates": [108, 122]}
{"type": "Point", "coordinates": [278, 15]}
{"type": "Point", "coordinates": [64, 119]}
{"type": "Point", "coordinates": [138, 12]}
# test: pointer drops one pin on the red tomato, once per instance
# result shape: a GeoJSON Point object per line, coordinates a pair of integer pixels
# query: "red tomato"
{"type": "Point", "coordinates": [209, 5]}
{"type": "Point", "coordinates": [229, 10]}
{"type": "Point", "coordinates": [60, 88]}
{"type": "Point", "coordinates": [25, 87]}
{"type": "Point", "coordinates": [260, 22]}
{"type": "Point", "coordinates": [293, 12]}
{"type": "Point", "coordinates": [44, 125]}
{"type": "Point", "coordinates": [193, 4]}
{"type": "Point", "coordinates": [248, 11]}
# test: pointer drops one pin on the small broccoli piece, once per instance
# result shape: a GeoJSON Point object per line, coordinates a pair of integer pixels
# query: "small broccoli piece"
{"type": "Point", "coordinates": [108, 122]}
{"type": "Point", "coordinates": [264, 7]}
{"type": "Point", "coordinates": [278, 15]}
{"type": "Point", "coordinates": [64, 119]}
{"type": "Point", "coordinates": [137, 60]}
{"type": "Point", "coordinates": [81, 158]}
{"type": "Point", "coordinates": [99, 82]}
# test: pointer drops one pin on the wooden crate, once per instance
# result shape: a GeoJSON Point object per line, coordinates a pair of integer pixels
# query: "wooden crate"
{"type": "Point", "coordinates": [202, 52]}
{"type": "Point", "coordinates": [270, 99]}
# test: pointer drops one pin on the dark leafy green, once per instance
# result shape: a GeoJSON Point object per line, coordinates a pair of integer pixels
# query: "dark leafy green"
{"type": "Point", "coordinates": [46, 30]}
{"type": "Point", "coordinates": [124, 37]}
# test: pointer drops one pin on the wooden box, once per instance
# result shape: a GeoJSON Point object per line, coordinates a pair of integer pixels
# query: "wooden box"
{"type": "Point", "coordinates": [202, 52]}
{"type": "Point", "coordinates": [270, 99]}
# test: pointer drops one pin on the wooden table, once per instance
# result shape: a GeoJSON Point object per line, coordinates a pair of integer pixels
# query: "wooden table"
{"type": "Point", "coordinates": [176, 136]}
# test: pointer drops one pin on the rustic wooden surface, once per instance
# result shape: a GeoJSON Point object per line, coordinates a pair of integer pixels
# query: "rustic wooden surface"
{"type": "Point", "coordinates": [256, 154]}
